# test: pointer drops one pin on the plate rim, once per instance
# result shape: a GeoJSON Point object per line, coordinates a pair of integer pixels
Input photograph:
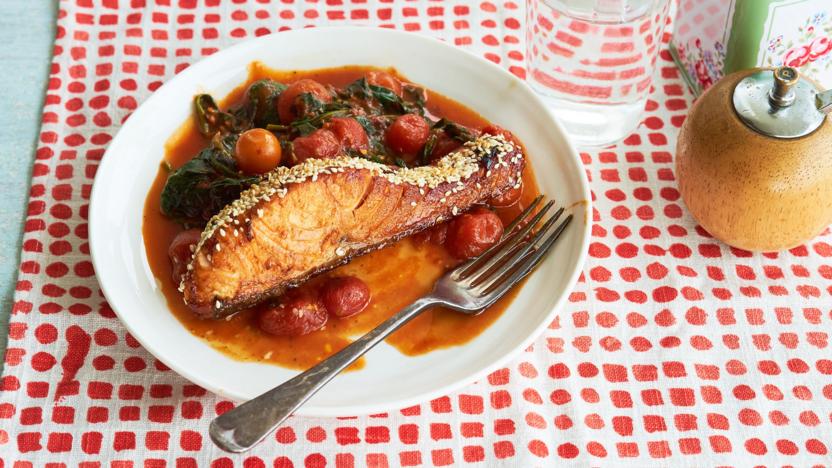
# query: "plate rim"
{"type": "Point", "coordinates": [399, 403]}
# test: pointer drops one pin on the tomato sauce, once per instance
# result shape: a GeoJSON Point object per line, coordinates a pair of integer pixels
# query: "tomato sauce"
{"type": "Point", "coordinates": [396, 275]}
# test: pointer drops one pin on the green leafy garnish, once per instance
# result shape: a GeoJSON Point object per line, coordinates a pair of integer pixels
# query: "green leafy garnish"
{"type": "Point", "coordinates": [202, 186]}
{"type": "Point", "coordinates": [261, 99]}
{"type": "Point", "coordinates": [427, 150]}
{"type": "Point", "coordinates": [379, 96]}
{"type": "Point", "coordinates": [454, 130]}
{"type": "Point", "coordinates": [210, 120]}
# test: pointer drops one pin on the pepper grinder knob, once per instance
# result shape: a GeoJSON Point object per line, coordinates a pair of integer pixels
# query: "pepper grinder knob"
{"type": "Point", "coordinates": [782, 94]}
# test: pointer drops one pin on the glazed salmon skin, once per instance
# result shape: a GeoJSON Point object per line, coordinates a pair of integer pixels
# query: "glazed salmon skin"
{"type": "Point", "coordinates": [307, 219]}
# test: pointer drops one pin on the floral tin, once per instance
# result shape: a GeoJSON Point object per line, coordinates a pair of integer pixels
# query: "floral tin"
{"type": "Point", "coordinates": [716, 37]}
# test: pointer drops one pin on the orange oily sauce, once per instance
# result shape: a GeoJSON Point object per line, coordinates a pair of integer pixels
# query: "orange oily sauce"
{"type": "Point", "coordinates": [396, 275]}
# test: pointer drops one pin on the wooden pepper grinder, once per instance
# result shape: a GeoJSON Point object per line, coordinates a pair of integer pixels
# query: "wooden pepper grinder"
{"type": "Point", "coordinates": [754, 159]}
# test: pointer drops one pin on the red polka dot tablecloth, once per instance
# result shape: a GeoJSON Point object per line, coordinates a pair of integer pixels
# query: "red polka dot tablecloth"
{"type": "Point", "coordinates": [673, 349]}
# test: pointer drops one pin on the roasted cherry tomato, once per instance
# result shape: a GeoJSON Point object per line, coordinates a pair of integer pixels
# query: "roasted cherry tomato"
{"type": "Point", "coordinates": [408, 134]}
{"type": "Point", "coordinates": [497, 130]}
{"type": "Point", "coordinates": [321, 143]}
{"type": "Point", "coordinates": [349, 132]}
{"type": "Point", "coordinates": [180, 252]}
{"type": "Point", "coordinates": [385, 80]}
{"type": "Point", "coordinates": [345, 296]}
{"type": "Point", "coordinates": [435, 235]}
{"type": "Point", "coordinates": [287, 103]}
{"type": "Point", "coordinates": [472, 233]}
{"type": "Point", "coordinates": [298, 313]}
{"type": "Point", "coordinates": [258, 151]}
{"type": "Point", "coordinates": [507, 198]}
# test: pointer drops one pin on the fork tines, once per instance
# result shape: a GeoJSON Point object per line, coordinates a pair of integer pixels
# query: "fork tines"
{"type": "Point", "coordinates": [525, 243]}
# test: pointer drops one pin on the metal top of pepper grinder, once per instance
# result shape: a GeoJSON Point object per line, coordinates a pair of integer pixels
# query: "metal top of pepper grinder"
{"type": "Point", "coordinates": [779, 104]}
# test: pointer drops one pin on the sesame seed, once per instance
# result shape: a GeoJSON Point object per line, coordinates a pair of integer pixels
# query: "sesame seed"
{"type": "Point", "coordinates": [340, 251]}
{"type": "Point", "coordinates": [218, 304]}
{"type": "Point", "coordinates": [260, 212]}
{"type": "Point", "coordinates": [413, 203]}
{"type": "Point", "coordinates": [443, 200]}
{"type": "Point", "coordinates": [217, 247]}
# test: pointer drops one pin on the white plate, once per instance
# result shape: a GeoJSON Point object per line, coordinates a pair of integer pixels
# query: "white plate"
{"type": "Point", "coordinates": [390, 380]}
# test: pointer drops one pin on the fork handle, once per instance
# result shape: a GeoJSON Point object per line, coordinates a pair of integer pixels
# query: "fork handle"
{"type": "Point", "coordinates": [241, 428]}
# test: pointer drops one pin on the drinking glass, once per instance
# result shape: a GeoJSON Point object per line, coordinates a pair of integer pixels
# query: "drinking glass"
{"type": "Point", "coordinates": [592, 61]}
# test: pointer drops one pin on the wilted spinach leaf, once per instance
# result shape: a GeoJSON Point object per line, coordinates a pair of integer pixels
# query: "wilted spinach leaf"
{"type": "Point", "coordinates": [210, 120]}
{"type": "Point", "coordinates": [358, 89]}
{"type": "Point", "coordinates": [427, 150]}
{"type": "Point", "coordinates": [202, 186]}
{"type": "Point", "coordinates": [305, 126]}
{"type": "Point", "coordinates": [454, 130]}
{"type": "Point", "coordinates": [261, 99]}
{"type": "Point", "coordinates": [384, 97]}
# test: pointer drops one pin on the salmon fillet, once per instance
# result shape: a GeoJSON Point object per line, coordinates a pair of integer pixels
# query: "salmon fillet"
{"type": "Point", "coordinates": [300, 221]}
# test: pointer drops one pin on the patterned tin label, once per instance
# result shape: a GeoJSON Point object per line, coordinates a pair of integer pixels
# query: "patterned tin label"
{"type": "Point", "coordinates": [714, 38]}
{"type": "Point", "coordinates": [799, 34]}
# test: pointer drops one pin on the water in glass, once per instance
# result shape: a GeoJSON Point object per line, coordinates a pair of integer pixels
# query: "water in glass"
{"type": "Point", "coordinates": [593, 60]}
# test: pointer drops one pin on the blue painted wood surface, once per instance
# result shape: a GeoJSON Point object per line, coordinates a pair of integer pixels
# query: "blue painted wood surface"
{"type": "Point", "coordinates": [27, 31]}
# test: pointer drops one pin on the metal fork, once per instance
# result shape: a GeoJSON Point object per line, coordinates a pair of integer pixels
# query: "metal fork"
{"type": "Point", "coordinates": [469, 289]}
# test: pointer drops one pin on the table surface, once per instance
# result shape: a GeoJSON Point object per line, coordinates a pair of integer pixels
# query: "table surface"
{"type": "Point", "coordinates": [27, 29]}
{"type": "Point", "coordinates": [671, 350]}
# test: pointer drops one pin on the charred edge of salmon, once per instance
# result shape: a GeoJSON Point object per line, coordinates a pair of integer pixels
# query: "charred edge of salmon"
{"type": "Point", "coordinates": [487, 151]}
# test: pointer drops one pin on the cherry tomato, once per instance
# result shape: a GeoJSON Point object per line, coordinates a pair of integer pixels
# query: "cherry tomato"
{"type": "Point", "coordinates": [436, 234]}
{"type": "Point", "coordinates": [297, 314]}
{"type": "Point", "coordinates": [408, 134]}
{"type": "Point", "coordinates": [349, 132]}
{"type": "Point", "coordinates": [345, 296]}
{"type": "Point", "coordinates": [444, 146]}
{"type": "Point", "coordinates": [287, 103]}
{"type": "Point", "coordinates": [321, 143]}
{"type": "Point", "coordinates": [385, 80]}
{"type": "Point", "coordinates": [472, 233]}
{"type": "Point", "coordinates": [180, 253]}
{"type": "Point", "coordinates": [507, 198]}
{"type": "Point", "coordinates": [497, 130]}
{"type": "Point", "coordinates": [258, 151]}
